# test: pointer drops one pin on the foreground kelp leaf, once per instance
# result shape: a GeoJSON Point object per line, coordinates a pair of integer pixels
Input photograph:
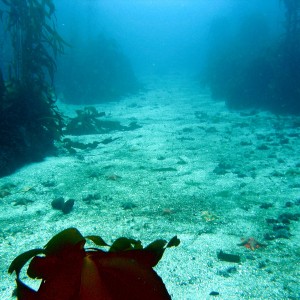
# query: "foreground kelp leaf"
{"type": "Point", "coordinates": [71, 272]}
{"type": "Point", "coordinates": [19, 262]}
{"type": "Point", "coordinates": [174, 242]}
{"type": "Point", "coordinates": [25, 292]}
{"type": "Point", "coordinates": [124, 244]}
{"type": "Point", "coordinates": [124, 276]}
{"type": "Point", "coordinates": [97, 240]}
{"type": "Point", "coordinates": [67, 237]}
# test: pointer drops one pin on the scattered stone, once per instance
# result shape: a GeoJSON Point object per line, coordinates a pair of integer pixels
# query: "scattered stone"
{"type": "Point", "coordinates": [281, 230]}
{"type": "Point", "coordinates": [246, 143]}
{"type": "Point", "coordinates": [181, 161]}
{"type": "Point", "coordinates": [168, 211]}
{"type": "Point", "coordinates": [269, 236]}
{"type": "Point", "coordinates": [109, 140]}
{"type": "Point", "coordinates": [276, 173]}
{"type": "Point", "coordinates": [278, 234]}
{"type": "Point", "coordinates": [68, 206]}
{"type": "Point", "coordinates": [202, 116]}
{"type": "Point", "coordinates": [128, 205]}
{"type": "Point", "coordinates": [208, 216]}
{"type": "Point", "coordinates": [289, 204]}
{"type": "Point", "coordinates": [222, 168]}
{"type": "Point", "coordinates": [228, 257]}
{"type": "Point", "coordinates": [107, 198]}
{"type": "Point", "coordinates": [284, 141]}
{"type": "Point", "coordinates": [283, 220]}
{"type": "Point", "coordinates": [22, 201]}
{"type": "Point", "coordinates": [7, 186]}
{"type": "Point", "coordinates": [262, 265]}
{"type": "Point", "coordinates": [161, 157]}
{"type": "Point", "coordinates": [286, 217]}
{"type": "Point", "coordinates": [213, 293]}
{"type": "Point", "coordinates": [226, 273]}
{"type": "Point", "coordinates": [266, 205]}
{"type": "Point", "coordinates": [49, 183]}
{"type": "Point", "coordinates": [262, 147]}
{"type": "Point", "coordinates": [5, 189]}
{"type": "Point", "coordinates": [167, 169]}
{"type": "Point", "coordinates": [272, 221]}
{"type": "Point", "coordinates": [211, 130]}
{"type": "Point", "coordinates": [282, 234]}
{"type": "Point", "coordinates": [4, 193]}
{"type": "Point", "coordinates": [278, 227]}
{"type": "Point", "coordinates": [58, 203]}
{"type": "Point", "coordinates": [88, 198]}
{"type": "Point", "coordinates": [188, 130]}
{"type": "Point", "coordinates": [113, 177]}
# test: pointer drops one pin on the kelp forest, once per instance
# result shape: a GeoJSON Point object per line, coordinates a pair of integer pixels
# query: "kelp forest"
{"type": "Point", "coordinates": [30, 122]}
{"type": "Point", "coordinates": [29, 119]}
{"type": "Point", "coordinates": [249, 68]}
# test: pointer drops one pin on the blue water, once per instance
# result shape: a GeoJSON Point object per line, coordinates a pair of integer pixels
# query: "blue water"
{"type": "Point", "coordinates": [159, 36]}
{"type": "Point", "coordinates": [186, 122]}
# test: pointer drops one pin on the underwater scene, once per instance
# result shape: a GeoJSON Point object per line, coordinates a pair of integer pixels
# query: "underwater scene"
{"type": "Point", "coordinates": [149, 149]}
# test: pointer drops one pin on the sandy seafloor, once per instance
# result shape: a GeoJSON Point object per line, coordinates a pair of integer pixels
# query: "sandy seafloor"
{"type": "Point", "coordinates": [194, 169]}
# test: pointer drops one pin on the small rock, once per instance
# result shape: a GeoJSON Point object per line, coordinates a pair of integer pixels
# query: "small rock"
{"type": "Point", "coordinates": [88, 198]}
{"type": "Point", "coordinates": [58, 203]}
{"type": "Point", "coordinates": [266, 205]}
{"type": "Point", "coordinates": [279, 227]}
{"type": "Point", "coordinates": [282, 234]}
{"type": "Point", "coordinates": [262, 147]}
{"type": "Point", "coordinates": [289, 204]}
{"type": "Point", "coordinates": [272, 221]}
{"type": "Point", "coordinates": [269, 236]}
{"type": "Point", "coordinates": [68, 206]}
{"type": "Point", "coordinates": [128, 205]}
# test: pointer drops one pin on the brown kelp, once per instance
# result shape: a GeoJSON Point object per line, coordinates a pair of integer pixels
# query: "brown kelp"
{"type": "Point", "coordinates": [29, 119]}
{"type": "Point", "coordinates": [68, 270]}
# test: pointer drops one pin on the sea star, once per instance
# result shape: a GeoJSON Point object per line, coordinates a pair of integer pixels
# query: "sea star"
{"type": "Point", "coordinates": [251, 243]}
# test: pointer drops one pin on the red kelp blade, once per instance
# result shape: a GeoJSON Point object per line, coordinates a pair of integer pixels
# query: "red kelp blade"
{"type": "Point", "coordinates": [24, 292]}
{"type": "Point", "coordinates": [61, 275]}
{"type": "Point", "coordinates": [122, 277]}
{"type": "Point", "coordinates": [92, 286]}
